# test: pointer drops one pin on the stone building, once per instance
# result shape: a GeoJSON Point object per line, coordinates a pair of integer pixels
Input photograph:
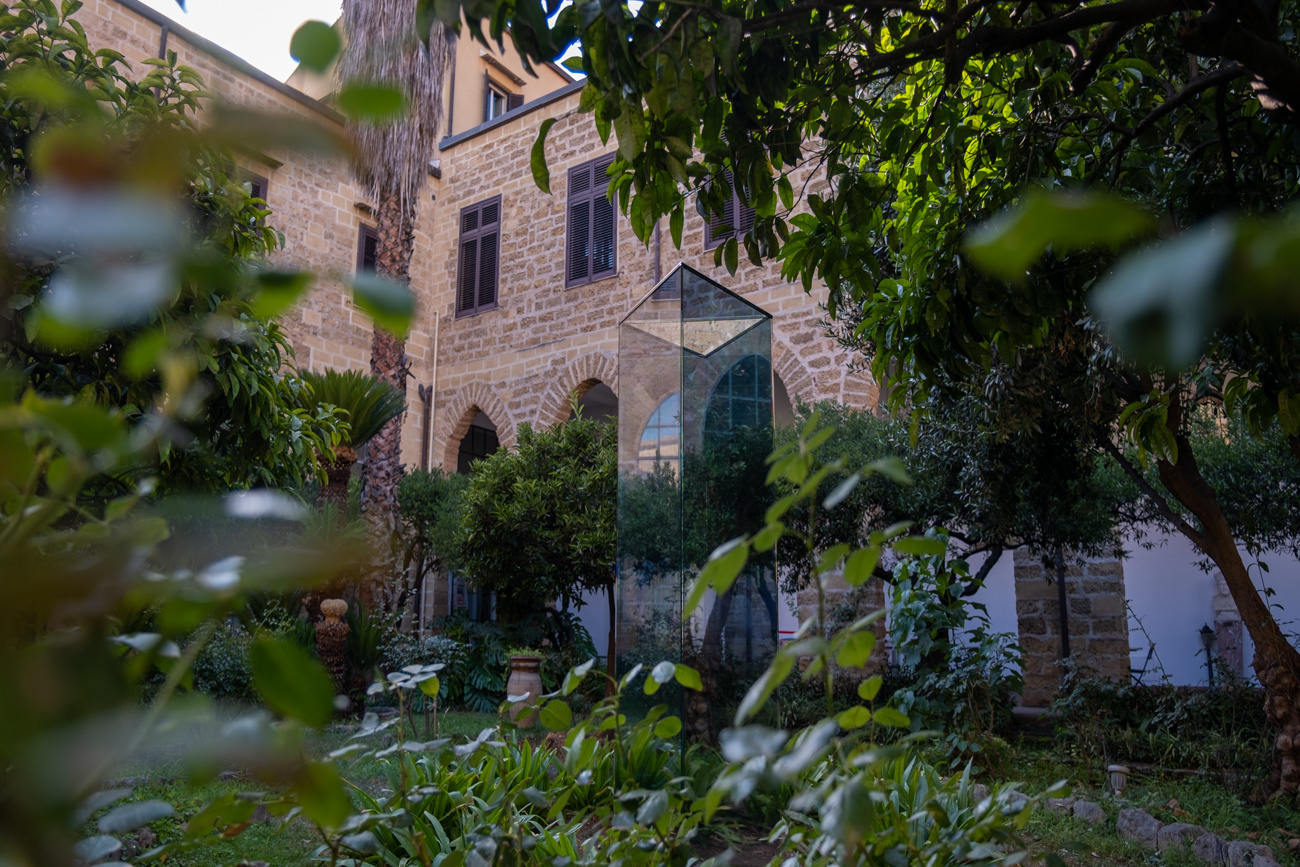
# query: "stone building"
{"type": "Point", "coordinates": [520, 292]}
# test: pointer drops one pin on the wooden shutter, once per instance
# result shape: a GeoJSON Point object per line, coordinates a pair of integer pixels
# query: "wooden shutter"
{"type": "Point", "coordinates": [367, 248]}
{"type": "Point", "coordinates": [591, 252]}
{"type": "Point", "coordinates": [737, 218]}
{"type": "Point", "coordinates": [480, 246]}
{"type": "Point", "coordinates": [514, 100]}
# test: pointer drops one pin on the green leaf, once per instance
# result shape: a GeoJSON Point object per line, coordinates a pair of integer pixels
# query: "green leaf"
{"type": "Point", "coordinates": [854, 718]}
{"type": "Point", "coordinates": [315, 45]}
{"type": "Point", "coordinates": [841, 492]}
{"type": "Point", "coordinates": [371, 102]}
{"type": "Point", "coordinates": [720, 572]}
{"type": "Point", "coordinates": [575, 675]}
{"type": "Point", "coordinates": [659, 675]}
{"type": "Point", "coordinates": [919, 546]}
{"type": "Point", "coordinates": [653, 807]}
{"type": "Point", "coordinates": [431, 686]}
{"type": "Point", "coordinates": [291, 682]}
{"type": "Point", "coordinates": [390, 304]}
{"type": "Point", "coordinates": [870, 688]}
{"type": "Point", "coordinates": [668, 727]}
{"type": "Point", "coordinates": [1008, 244]}
{"type": "Point", "coordinates": [1161, 303]}
{"type": "Point", "coordinates": [860, 566]}
{"type": "Point", "coordinates": [542, 174]}
{"type": "Point", "coordinates": [892, 717]}
{"type": "Point", "coordinates": [688, 677]}
{"type": "Point", "coordinates": [856, 649]}
{"type": "Point", "coordinates": [128, 817]}
{"type": "Point", "coordinates": [556, 715]}
{"type": "Point", "coordinates": [321, 794]}
{"type": "Point", "coordinates": [277, 291]}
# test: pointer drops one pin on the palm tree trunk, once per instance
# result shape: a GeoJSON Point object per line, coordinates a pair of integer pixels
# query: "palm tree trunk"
{"type": "Point", "coordinates": [383, 469]}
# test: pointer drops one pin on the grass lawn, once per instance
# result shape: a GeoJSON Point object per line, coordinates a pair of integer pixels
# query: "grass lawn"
{"type": "Point", "coordinates": [1213, 804]}
{"type": "Point", "coordinates": [158, 774]}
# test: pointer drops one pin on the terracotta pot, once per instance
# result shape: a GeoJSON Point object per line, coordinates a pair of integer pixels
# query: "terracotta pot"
{"type": "Point", "coordinates": [525, 677]}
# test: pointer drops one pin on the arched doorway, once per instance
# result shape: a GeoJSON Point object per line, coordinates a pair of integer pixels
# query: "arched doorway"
{"type": "Point", "coordinates": [478, 442]}
{"type": "Point", "coordinates": [598, 403]}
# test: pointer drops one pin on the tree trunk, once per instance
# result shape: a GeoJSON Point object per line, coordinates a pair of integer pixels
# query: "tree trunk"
{"type": "Point", "coordinates": [383, 468]}
{"type": "Point", "coordinates": [338, 473]}
{"type": "Point", "coordinates": [1276, 662]}
{"type": "Point", "coordinates": [699, 716]}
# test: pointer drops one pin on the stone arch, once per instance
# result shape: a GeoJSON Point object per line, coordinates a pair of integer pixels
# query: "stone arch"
{"type": "Point", "coordinates": [796, 378]}
{"type": "Point", "coordinates": [459, 413]}
{"type": "Point", "coordinates": [578, 376]}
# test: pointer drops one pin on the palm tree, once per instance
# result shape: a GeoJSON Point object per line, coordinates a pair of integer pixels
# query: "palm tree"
{"type": "Point", "coordinates": [391, 161]}
{"type": "Point", "coordinates": [371, 404]}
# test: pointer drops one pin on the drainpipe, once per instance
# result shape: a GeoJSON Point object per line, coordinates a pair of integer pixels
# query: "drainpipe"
{"type": "Point", "coordinates": [428, 394]}
{"type": "Point", "coordinates": [162, 40]}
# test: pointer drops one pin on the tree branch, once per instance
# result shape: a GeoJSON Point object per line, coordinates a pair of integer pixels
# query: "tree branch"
{"type": "Point", "coordinates": [1161, 504]}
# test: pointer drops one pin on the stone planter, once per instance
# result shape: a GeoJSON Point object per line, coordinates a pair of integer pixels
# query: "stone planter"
{"type": "Point", "coordinates": [525, 677]}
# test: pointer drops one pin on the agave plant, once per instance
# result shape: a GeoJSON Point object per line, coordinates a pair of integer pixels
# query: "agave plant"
{"type": "Point", "coordinates": [370, 404]}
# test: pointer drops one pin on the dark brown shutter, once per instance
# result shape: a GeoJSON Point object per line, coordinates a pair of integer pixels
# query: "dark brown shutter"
{"type": "Point", "coordinates": [480, 243]}
{"type": "Point", "coordinates": [592, 249]}
{"type": "Point", "coordinates": [489, 226]}
{"type": "Point", "coordinates": [737, 217]}
{"type": "Point", "coordinates": [487, 97]}
{"type": "Point", "coordinates": [513, 101]}
{"type": "Point", "coordinates": [367, 248]}
{"type": "Point", "coordinates": [578, 256]}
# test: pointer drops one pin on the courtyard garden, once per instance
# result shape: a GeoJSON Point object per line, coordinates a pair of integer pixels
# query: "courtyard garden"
{"type": "Point", "coordinates": [228, 634]}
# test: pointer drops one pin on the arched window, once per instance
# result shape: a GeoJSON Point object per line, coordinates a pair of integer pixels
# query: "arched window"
{"type": "Point", "coordinates": [661, 436]}
{"type": "Point", "coordinates": [742, 397]}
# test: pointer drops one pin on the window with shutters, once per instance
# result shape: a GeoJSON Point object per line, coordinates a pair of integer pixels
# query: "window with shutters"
{"type": "Point", "coordinates": [367, 248]}
{"type": "Point", "coordinates": [480, 245]}
{"type": "Point", "coordinates": [737, 218]}
{"type": "Point", "coordinates": [255, 184]}
{"type": "Point", "coordinates": [498, 100]}
{"type": "Point", "coordinates": [591, 251]}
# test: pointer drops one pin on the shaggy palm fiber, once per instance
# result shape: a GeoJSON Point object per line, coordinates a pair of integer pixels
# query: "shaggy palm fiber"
{"type": "Point", "coordinates": [382, 47]}
{"type": "Point", "coordinates": [391, 161]}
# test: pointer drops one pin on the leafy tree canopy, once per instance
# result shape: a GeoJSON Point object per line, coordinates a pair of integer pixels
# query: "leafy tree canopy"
{"type": "Point", "coordinates": [539, 519]}
{"type": "Point", "coordinates": [140, 267]}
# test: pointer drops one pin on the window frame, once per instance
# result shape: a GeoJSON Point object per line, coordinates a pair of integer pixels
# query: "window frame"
{"type": "Point", "coordinates": [713, 241]}
{"type": "Point", "coordinates": [476, 234]}
{"type": "Point", "coordinates": [597, 167]}
{"type": "Point", "coordinates": [364, 231]}
{"type": "Point", "coordinates": [254, 180]}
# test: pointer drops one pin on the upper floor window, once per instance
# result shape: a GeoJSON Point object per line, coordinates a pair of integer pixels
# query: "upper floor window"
{"type": "Point", "coordinates": [591, 251]}
{"type": "Point", "coordinates": [367, 248]}
{"type": "Point", "coordinates": [737, 218]}
{"type": "Point", "coordinates": [255, 184]}
{"type": "Point", "coordinates": [480, 243]}
{"type": "Point", "coordinates": [498, 100]}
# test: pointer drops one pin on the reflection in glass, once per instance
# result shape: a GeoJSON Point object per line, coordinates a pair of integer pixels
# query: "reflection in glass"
{"type": "Point", "coordinates": [695, 429]}
{"type": "Point", "coordinates": [661, 437]}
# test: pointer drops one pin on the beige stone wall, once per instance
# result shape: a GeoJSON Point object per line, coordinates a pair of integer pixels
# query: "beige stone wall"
{"type": "Point", "coordinates": [1097, 620]}
{"type": "Point", "coordinates": [518, 362]}
{"type": "Point", "coordinates": [312, 199]}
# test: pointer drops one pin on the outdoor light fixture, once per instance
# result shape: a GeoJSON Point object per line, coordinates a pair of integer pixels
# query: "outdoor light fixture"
{"type": "Point", "coordinates": [1207, 641]}
{"type": "Point", "coordinates": [1118, 778]}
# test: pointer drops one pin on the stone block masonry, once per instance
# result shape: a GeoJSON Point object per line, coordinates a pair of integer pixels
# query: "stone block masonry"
{"type": "Point", "coordinates": [1096, 618]}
